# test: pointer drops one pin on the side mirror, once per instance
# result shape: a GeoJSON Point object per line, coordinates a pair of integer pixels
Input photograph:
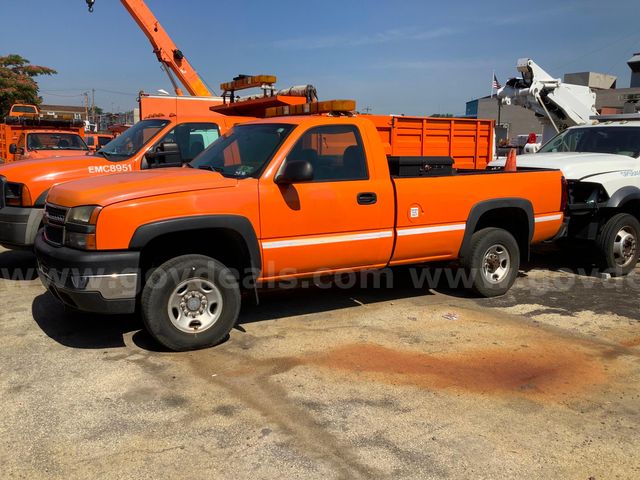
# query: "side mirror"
{"type": "Point", "coordinates": [166, 154]}
{"type": "Point", "coordinates": [295, 171]}
{"type": "Point", "coordinates": [13, 149]}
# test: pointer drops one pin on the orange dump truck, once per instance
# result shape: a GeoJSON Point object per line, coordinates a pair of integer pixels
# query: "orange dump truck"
{"type": "Point", "coordinates": [174, 131]}
{"type": "Point", "coordinates": [278, 199]}
{"type": "Point", "coordinates": [26, 134]}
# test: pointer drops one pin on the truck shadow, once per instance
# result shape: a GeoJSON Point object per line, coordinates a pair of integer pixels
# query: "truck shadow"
{"type": "Point", "coordinates": [79, 329]}
{"type": "Point", "coordinates": [89, 331]}
{"type": "Point", "coordinates": [92, 331]}
{"type": "Point", "coordinates": [18, 265]}
{"type": "Point", "coordinates": [332, 294]}
{"type": "Point", "coordinates": [575, 257]}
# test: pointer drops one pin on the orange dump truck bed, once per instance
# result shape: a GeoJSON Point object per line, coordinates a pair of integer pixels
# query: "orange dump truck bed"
{"type": "Point", "coordinates": [468, 141]}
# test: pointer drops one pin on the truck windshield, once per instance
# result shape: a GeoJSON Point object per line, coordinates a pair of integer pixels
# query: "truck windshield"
{"type": "Point", "coordinates": [244, 151]}
{"type": "Point", "coordinates": [23, 109]}
{"type": "Point", "coordinates": [132, 140]}
{"type": "Point", "coordinates": [55, 141]}
{"type": "Point", "coordinates": [611, 139]}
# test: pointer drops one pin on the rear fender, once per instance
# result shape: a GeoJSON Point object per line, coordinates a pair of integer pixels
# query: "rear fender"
{"type": "Point", "coordinates": [487, 206]}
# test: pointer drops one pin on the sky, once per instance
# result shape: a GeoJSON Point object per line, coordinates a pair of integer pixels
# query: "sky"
{"type": "Point", "coordinates": [404, 56]}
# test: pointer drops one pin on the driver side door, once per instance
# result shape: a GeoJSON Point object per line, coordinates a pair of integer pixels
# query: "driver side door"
{"type": "Point", "coordinates": [341, 219]}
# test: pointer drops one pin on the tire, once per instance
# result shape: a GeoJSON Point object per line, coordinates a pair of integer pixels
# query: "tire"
{"type": "Point", "coordinates": [190, 302]}
{"type": "Point", "coordinates": [618, 244]}
{"type": "Point", "coordinates": [493, 262]}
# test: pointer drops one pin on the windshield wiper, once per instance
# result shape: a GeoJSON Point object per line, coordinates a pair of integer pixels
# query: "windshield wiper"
{"type": "Point", "coordinates": [211, 168]}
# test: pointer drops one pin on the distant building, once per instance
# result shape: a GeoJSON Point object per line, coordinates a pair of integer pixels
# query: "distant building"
{"type": "Point", "coordinates": [634, 65]}
{"type": "Point", "coordinates": [593, 80]}
{"type": "Point", "coordinates": [511, 120]}
{"type": "Point", "coordinates": [64, 111]}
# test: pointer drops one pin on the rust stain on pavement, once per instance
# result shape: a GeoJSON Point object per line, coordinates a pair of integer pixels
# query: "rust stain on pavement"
{"type": "Point", "coordinates": [543, 371]}
{"type": "Point", "coordinates": [633, 342]}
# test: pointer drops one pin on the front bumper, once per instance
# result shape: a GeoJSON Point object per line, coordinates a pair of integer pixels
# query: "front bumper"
{"type": "Point", "coordinates": [19, 226]}
{"type": "Point", "coordinates": [100, 282]}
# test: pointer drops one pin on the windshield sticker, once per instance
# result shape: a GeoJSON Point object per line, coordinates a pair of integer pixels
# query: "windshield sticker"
{"type": "Point", "coordinates": [117, 168]}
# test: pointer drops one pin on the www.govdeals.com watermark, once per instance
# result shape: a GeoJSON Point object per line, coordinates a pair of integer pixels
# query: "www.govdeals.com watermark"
{"type": "Point", "coordinates": [420, 278]}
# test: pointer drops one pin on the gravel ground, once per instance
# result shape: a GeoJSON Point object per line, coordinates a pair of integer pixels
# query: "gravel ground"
{"type": "Point", "coordinates": [329, 383]}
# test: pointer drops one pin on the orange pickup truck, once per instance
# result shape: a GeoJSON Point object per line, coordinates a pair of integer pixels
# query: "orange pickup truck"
{"type": "Point", "coordinates": [163, 139]}
{"type": "Point", "coordinates": [277, 199]}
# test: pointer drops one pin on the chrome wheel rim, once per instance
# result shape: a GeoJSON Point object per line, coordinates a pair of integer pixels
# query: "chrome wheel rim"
{"type": "Point", "coordinates": [624, 246]}
{"type": "Point", "coordinates": [195, 305]}
{"type": "Point", "coordinates": [496, 264]}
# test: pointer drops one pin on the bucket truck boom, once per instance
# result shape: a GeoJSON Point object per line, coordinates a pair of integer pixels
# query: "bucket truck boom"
{"type": "Point", "coordinates": [558, 105]}
{"type": "Point", "coordinates": [171, 58]}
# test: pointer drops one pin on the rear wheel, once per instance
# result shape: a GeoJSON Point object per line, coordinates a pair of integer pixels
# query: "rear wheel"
{"type": "Point", "coordinates": [190, 302]}
{"type": "Point", "coordinates": [618, 244]}
{"type": "Point", "coordinates": [493, 262]}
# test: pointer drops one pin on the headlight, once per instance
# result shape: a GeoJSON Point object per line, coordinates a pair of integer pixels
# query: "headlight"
{"type": "Point", "coordinates": [87, 215]}
{"type": "Point", "coordinates": [16, 195]}
{"type": "Point", "coordinates": [80, 227]}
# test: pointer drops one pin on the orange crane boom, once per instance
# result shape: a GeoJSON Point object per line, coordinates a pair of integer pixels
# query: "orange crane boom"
{"type": "Point", "coordinates": [169, 55]}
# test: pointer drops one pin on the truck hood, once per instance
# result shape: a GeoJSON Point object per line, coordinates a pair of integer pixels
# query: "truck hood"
{"type": "Point", "coordinates": [576, 166]}
{"type": "Point", "coordinates": [112, 189]}
{"type": "Point", "coordinates": [44, 154]}
{"type": "Point", "coordinates": [52, 170]}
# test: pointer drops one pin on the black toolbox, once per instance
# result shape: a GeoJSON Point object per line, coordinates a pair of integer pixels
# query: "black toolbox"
{"type": "Point", "coordinates": [400, 166]}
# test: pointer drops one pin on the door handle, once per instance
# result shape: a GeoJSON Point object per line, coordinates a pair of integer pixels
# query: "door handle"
{"type": "Point", "coordinates": [367, 198]}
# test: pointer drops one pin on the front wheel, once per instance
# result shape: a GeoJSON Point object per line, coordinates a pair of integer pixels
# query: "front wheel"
{"type": "Point", "coordinates": [190, 302]}
{"type": "Point", "coordinates": [493, 262]}
{"type": "Point", "coordinates": [618, 244]}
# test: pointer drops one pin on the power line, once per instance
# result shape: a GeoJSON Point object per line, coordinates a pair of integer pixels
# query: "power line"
{"type": "Point", "coordinates": [115, 92]}
{"type": "Point", "coordinates": [128, 94]}
{"type": "Point", "coordinates": [618, 39]}
{"type": "Point", "coordinates": [48, 92]}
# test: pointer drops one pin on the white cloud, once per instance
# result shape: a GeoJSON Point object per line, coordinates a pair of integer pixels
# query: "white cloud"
{"type": "Point", "coordinates": [354, 40]}
{"type": "Point", "coordinates": [457, 64]}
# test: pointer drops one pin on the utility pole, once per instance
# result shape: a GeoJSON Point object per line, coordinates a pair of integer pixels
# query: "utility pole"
{"type": "Point", "coordinates": [86, 105]}
{"type": "Point", "coordinates": [93, 105]}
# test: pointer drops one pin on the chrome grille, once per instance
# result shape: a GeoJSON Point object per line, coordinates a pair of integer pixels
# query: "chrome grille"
{"type": "Point", "coordinates": [54, 217]}
{"type": "Point", "coordinates": [55, 214]}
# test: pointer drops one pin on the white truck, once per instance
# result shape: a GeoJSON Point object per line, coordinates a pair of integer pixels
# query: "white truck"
{"type": "Point", "coordinates": [601, 163]}
{"type": "Point", "coordinates": [598, 155]}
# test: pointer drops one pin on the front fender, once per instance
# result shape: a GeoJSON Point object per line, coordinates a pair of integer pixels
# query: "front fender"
{"type": "Point", "coordinates": [236, 223]}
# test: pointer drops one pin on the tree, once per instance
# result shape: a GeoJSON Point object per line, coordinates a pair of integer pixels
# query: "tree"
{"type": "Point", "coordinates": [17, 84]}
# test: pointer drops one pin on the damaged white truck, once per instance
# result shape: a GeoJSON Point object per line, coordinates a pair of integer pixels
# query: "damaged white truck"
{"type": "Point", "coordinates": [601, 163]}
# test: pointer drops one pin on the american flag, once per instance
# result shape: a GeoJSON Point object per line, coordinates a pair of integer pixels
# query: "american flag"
{"type": "Point", "coordinates": [496, 83]}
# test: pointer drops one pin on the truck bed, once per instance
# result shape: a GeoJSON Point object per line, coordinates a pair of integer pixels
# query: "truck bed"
{"type": "Point", "coordinates": [468, 141]}
{"type": "Point", "coordinates": [436, 209]}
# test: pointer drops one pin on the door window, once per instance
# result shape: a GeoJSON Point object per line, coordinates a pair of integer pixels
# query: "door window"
{"type": "Point", "coordinates": [335, 153]}
{"type": "Point", "coordinates": [192, 138]}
